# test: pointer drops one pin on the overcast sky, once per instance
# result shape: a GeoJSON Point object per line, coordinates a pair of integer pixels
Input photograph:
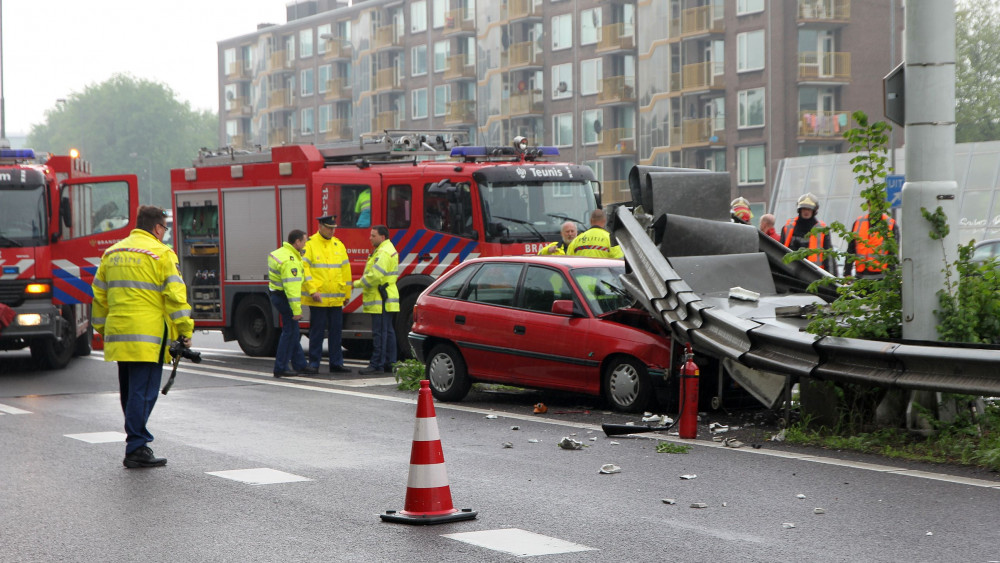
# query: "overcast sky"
{"type": "Point", "coordinates": [54, 48]}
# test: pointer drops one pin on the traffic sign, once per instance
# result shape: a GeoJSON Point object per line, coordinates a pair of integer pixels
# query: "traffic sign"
{"type": "Point", "coordinates": [894, 189]}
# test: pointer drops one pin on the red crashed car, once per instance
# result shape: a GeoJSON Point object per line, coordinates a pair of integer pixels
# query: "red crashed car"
{"type": "Point", "coordinates": [544, 322]}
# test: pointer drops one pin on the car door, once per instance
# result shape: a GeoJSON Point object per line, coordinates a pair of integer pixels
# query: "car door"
{"type": "Point", "coordinates": [551, 350]}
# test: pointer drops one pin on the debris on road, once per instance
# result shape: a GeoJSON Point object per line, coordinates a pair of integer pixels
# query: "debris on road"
{"type": "Point", "coordinates": [515, 427]}
{"type": "Point", "coordinates": [787, 525]}
{"type": "Point", "coordinates": [593, 438]}
{"type": "Point", "coordinates": [661, 418]}
{"type": "Point", "coordinates": [669, 501]}
{"type": "Point", "coordinates": [615, 443]}
{"type": "Point", "coordinates": [568, 443]}
{"type": "Point", "coordinates": [717, 428]}
{"type": "Point", "coordinates": [534, 441]}
{"type": "Point", "coordinates": [508, 445]}
{"type": "Point", "coordinates": [609, 468]}
{"type": "Point", "coordinates": [698, 505]}
{"type": "Point", "coordinates": [732, 443]}
{"type": "Point", "coordinates": [540, 408]}
{"type": "Point", "coordinates": [819, 511]}
{"type": "Point", "coordinates": [800, 496]}
{"type": "Point", "coordinates": [779, 437]}
{"type": "Point", "coordinates": [689, 476]}
{"type": "Point", "coordinates": [929, 533]}
{"type": "Point", "coordinates": [492, 417]}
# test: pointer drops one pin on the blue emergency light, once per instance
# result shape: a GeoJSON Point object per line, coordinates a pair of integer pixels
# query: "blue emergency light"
{"type": "Point", "coordinates": [17, 154]}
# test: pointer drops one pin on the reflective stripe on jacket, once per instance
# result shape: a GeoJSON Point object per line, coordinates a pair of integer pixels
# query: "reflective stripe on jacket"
{"type": "Point", "coordinates": [139, 295]}
{"type": "Point", "coordinates": [381, 271]}
{"type": "Point", "coordinates": [284, 273]}
{"type": "Point", "coordinates": [867, 243]}
{"type": "Point", "coordinates": [596, 243]}
{"type": "Point", "coordinates": [814, 241]}
{"type": "Point", "coordinates": [327, 271]}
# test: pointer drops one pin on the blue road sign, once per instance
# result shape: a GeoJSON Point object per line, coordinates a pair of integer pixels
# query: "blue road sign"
{"type": "Point", "coordinates": [894, 189]}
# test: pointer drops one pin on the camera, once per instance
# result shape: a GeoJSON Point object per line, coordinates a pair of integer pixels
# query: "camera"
{"type": "Point", "coordinates": [177, 348]}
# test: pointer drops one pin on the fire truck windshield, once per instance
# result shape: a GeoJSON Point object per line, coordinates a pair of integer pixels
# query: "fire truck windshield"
{"type": "Point", "coordinates": [534, 211]}
{"type": "Point", "coordinates": [22, 215]}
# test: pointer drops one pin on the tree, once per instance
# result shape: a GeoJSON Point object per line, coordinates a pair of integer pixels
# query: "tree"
{"type": "Point", "coordinates": [128, 126]}
{"type": "Point", "coordinates": [977, 71]}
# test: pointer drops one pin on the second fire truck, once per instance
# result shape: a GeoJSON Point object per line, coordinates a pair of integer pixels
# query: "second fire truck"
{"type": "Point", "coordinates": [442, 202]}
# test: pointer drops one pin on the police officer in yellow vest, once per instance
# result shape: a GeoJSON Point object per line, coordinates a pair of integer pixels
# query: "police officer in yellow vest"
{"type": "Point", "coordinates": [558, 248]}
{"type": "Point", "coordinates": [285, 272]}
{"type": "Point", "coordinates": [326, 288]}
{"type": "Point", "coordinates": [381, 299]}
{"type": "Point", "coordinates": [595, 241]}
{"type": "Point", "coordinates": [140, 305]}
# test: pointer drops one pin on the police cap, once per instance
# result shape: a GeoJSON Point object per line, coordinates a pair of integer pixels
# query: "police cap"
{"type": "Point", "coordinates": [328, 221]}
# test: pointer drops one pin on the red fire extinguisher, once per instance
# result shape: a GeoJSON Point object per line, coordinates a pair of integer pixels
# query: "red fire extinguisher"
{"type": "Point", "coordinates": [689, 395]}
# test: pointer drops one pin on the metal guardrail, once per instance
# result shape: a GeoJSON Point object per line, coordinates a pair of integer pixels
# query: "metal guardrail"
{"type": "Point", "coordinates": [939, 367]}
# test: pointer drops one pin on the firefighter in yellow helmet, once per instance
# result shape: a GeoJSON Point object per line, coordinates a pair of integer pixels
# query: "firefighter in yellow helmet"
{"type": "Point", "coordinates": [739, 209]}
{"type": "Point", "coordinates": [140, 305]}
{"type": "Point", "coordinates": [595, 241]}
{"type": "Point", "coordinates": [285, 273]}
{"type": "Point", "coordinates": [795, 233]}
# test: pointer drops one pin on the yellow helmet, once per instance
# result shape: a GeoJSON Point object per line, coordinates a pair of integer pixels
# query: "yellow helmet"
{"type": "Point", "coordinates": [808, 201]}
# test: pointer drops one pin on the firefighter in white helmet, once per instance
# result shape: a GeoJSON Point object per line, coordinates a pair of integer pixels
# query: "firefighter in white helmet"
{"type": "Point", "coordinates": [795, 233]}
{"type": "Point", "coordinates": [739, 210]}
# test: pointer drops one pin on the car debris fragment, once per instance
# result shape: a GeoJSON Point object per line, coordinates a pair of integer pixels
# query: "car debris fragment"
{"type": "Point", "coordinates": [609, 468]}
{"type": "Point", "coordinates": [819, 511]}
{"type": "Point", "coordinates": [716, 428]}
{"type": "Point", "coordinates": [515, 427]}
{"type": "Point", "coordinates": [568, 443]}
{"type": "Point", "coordinates": [689, 476]}
{"type": "Point", "coordinates": [800, 496]}
{"type": "Point", "coordinates": [669, 501]}
{"type": "Point", "coordinates": [492, 417]}
{"type": "Point", "coordinates": [508, 445]}
{"type": "Point", "coordinates": [698, 505]}
{"type": "Point", "coordinates": [732, 443]}
{"type": "Point", "coordinates": [787, 525]}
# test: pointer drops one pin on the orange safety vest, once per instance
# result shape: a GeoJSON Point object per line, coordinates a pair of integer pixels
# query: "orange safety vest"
{"type": "Point", "coordinates": [867, 243]}
{"type": "Point", "coordinates": [814, 241]}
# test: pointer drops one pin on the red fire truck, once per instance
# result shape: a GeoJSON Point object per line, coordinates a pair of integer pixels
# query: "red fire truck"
{"type": "Point", "coordinates": [442, 202]}
{"type": "Point", "coordinates": [56, 220]}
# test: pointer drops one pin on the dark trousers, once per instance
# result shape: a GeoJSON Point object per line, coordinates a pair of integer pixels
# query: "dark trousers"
{"type": "Point", "coordinates": [289, 346]}
{"type": "Point", "coordinates": [383, 342]}
{"type": "Point", "coordinates": [322, 319]}
{"type": "Point", "coordinates": [138, 388]}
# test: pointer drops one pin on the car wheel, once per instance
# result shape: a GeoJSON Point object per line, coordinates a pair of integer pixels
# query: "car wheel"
{"type": "Point", "coordinates": [626, 385]}
{"type": "Point", "coordinates": [446, 373]}
{"type": "Point", "coordinates": [254, 327]}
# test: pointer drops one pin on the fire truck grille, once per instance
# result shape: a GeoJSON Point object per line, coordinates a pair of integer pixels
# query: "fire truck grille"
{"type": "Point", "coordinates": [12, 292]}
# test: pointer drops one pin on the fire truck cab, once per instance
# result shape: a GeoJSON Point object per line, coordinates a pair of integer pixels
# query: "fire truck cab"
{"type": "Point", "coordinates": [442, 202]}
{"type": "Point", "coordinates": [56, 221]}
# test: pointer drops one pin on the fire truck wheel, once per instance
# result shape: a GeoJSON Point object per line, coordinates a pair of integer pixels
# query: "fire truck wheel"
{"type": "Point", "coordinates": [446, 373]}
{"type": "Point", "coordinates": [404, 322]}
{"type": "Point", "coordinates": [254, 326]}
{"type": "Point", "coordinates": [84, 342]}
{"type": "Point", "coordinates": [48, 353]}
{"type": "Point", "coordinates": [626, 385]}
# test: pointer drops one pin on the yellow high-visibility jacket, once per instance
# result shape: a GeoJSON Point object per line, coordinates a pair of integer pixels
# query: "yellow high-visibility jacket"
{"type": "Point", "coordinates": [140, 299]}
{"type": "Point", "coordinates": [381, 270]}
{"type": "Point", "coordinates": [327, 271]}
{"type": "Point", "coordinates": [284, 273]}
{"type": "Point", "coordinates": [596, 243]}
{"type": "Point", "coordinates": [557, 248]}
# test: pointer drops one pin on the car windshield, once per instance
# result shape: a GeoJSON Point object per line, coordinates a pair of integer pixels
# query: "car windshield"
{"type": "Point", "coordinates": [22, 215]}
{"type": "Point", "coordinates": [602, 288]}
{"type": "Point", "coordinates": [534, 211]}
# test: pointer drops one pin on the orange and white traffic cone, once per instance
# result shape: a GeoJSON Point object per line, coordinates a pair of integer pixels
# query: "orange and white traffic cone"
{"type": "Point", "coordinates": [428, 495]}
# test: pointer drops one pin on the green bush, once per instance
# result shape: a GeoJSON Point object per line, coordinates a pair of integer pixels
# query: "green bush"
{"type": "Point", "coordinates": [408, 374]}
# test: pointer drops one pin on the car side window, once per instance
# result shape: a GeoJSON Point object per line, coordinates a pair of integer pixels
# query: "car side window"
{"type": "Point", "coordinates": [541, 287]}
{"type": "Point", "coordinates": [495, 284]}
{"type": "Point", "coordinates": [452, 286]}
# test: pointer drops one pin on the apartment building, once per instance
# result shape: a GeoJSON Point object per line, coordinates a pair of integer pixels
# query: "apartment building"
{"type": "Point", "coordinates": [732, 85]}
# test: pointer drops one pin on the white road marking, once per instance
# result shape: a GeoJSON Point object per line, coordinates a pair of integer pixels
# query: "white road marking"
{"type": "Point", "coordinates": [518, 542]}
{"type": "Point", "coordinates": [99, 437]}
{"type": "Point", "coordinates": [259, 476]}
{"type": "Point", "coordinates": [266, 379]}
{"type": "Point", "coordinates": [6, 409]}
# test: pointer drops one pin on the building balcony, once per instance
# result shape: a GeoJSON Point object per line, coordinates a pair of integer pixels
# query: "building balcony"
{"type": "Point", "coordinates": [530, 103]}
{"type": "Point", "coordinates": [337, 130]}
{"type": "Point", "coordinates": [459, 68]}
{"type": "Point", "coordinates": [279, 99]}
{"type": "Point", "coordinates": [386, 37]}
{"type": "Point", "coordinates": [697, 133]}
{"type": "Point", "coordinates": [523, 9]}
{"type": "Point", "coordinates": [702, 20]}
{"type": "Point", "coordinates": [824, 67]}
{"type": "Point", "coordinates": [337, 48]}
{"type": "Point", "coordinates": [337, 89]}
{"type": "Point", "coordinates": [277, 62]}
{"type": "Point", "coordinates": [824, 11]}
{"type": "Point", "coordinates": [614, 38]}
{"type": "Point", "coordinates": [456, 23]}
{"type": "Point", "coordinates": [617, 142]}
{"type": "Point", "coordinates": [238, 107]}
{"type": "Point", "coordinates": [460, 112]}
{"type": "Point", "coordinates": [702, 76]}
{"type": "Point", "coordinates": [617, 90]}
{"type": "Point", "coordinates": [387, 79]}
{"type": "Point", "coordinates": [823, 125]}
{"type": "Point", "coordinates": [237, 72]}
{"type": "Point", "coordinates": [521, 55]}
{"type": "Point", "coordinates": [387, 120]}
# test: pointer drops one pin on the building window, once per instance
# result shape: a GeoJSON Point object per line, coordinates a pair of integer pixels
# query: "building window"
{"type": "Point", "coordinates": [562, 32]}
{"type": "Point", "coordinates": [308, 82]}
{"type": "Point", "coordinates": [441, 51]}
{"type": "Point", "coordinates": [751, 105]}
{"type": "Point", "coordinates": [420, 103]}
{"type": "Point", "coordinates": [418, 16]}
{"type": "Point", "coordinates": [325, 117]}
{"type": "Point", "coordinates": [307, 121]}
{"type": "Point", "coordinates": [744, 7]}
{"type": "Point", "coordinates": [305, 43]}
{"type": "Point", "coordinates": [562, 81]}
{"type": "Point", "coordinates": [590, 26]}
{"type": "Point", "coordinates": [325, 76]}
{"type": "Point", "coordinates": [438, 13]}
{"type": "Point", "coordinates": [321, 41]}
{"type": "Point", "coordinates": [592, 126]}
{"type": "Point", "coordinates": [591, 74]}
{"type": "Point", "coordinates": [442, 95]}
{"type": "Point", "coordinates": [562, 130]}
{"type": "Point", "coordinates": [418, 63]}
{"type": "Point", "coordinates": [751, 164]}
{"type": "Point", "coordinates": [750, 51]}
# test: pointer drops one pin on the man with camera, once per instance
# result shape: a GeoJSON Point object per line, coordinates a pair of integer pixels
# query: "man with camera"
{"type": "Point", "coordinates": [140, 306]}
